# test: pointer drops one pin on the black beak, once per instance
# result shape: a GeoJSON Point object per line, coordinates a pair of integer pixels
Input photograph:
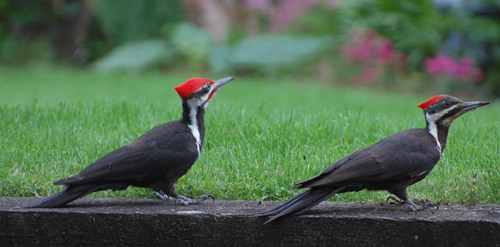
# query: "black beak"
{"type": "Point", "coordinates": [221, 82]}
{"type": "Point", "coordinates": [469, 106]}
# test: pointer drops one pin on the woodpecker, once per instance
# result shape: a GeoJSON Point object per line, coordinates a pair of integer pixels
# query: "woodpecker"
{"type": "Point", "coordinates": [392, 164]}
{"type": "Point", "coordinates": [155, 160]}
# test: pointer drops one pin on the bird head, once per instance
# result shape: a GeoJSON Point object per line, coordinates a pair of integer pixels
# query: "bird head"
{"type": "Point", "coordinates": [198, 91]}
{"type": "Point", "coordinates": [443, 109]}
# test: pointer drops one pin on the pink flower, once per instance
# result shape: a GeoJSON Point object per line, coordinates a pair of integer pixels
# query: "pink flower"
{"type": "Point", "coordinates": [385, 51]}
{"type": "Point", "coordinates": [438, 65]}
{"type": "Point", "coordinates": [462, 69]}
{"type": "Point", "coordinates": [373, 52]}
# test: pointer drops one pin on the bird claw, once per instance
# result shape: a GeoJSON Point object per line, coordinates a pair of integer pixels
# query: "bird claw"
{"type": "Point", "coordinates": [184, 201]}
{"type": "Point", "coordinates": [398, 201]}
{"type": "Point", "coordinates": [412, 207]}
{"type": "Point", "coordinates": [428, 204]}
{"type": "Point", "coordinates": [162, 195]}
{"type": "Point", "coordinates": [415, 199]}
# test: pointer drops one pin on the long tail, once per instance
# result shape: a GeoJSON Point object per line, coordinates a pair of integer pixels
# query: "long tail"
{"type": "Point", "coordinates": [62, 197]}
{"type": "Point", "coordinates": [300, 203]}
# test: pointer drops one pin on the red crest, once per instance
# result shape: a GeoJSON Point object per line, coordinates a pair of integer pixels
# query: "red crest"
{"type": "Point", "coordinates": [190, 86]}
{"type": "Point", "coordinates": [430, 101]}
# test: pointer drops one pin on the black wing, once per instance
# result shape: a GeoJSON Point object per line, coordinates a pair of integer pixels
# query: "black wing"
{"type": "Point", "coordinates": [166, 151]}
{"type": "Point", "coordinates": [390, 159]}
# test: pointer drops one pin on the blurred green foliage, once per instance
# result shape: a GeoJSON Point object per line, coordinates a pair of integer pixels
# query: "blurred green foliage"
{"type": "Point", "coordinates": [300, 37]}
{"type": "Point", "coordinates": [191, 42]}
{"type": "Point", "coordinates": [413, 26]}
{"type": "Point", "coordinates": [18, 21]}
{"type": "Point", "coordinates": [268, 54]}
{"type": "Point", "coordinates": [128, 20]}
{"type": "Point", "coordinates": [135, 56]}
{"type": "Point", "coordinates": [418, 29]}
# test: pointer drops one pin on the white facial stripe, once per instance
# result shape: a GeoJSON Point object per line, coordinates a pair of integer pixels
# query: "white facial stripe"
{"type": "Point", "coordinates": [432, 119]}
{"type": "Point", "coordinates": [433, 131]}
{"type": "Point", "coordinates": [438, 115]}
{"type": "Point", "coordinates": [449, 120]}
{"type": "Point", "coordinates": [203, 100]}
{"type": "Point", "coordinates": [193, 104]}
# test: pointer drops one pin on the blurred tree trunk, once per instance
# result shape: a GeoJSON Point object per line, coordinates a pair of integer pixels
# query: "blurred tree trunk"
{"type": "Point", "coordinates": [69, 32]}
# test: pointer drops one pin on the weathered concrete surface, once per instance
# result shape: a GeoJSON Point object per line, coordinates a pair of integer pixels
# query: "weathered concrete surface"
{"type": "Point", "coordinates": [152, 222]}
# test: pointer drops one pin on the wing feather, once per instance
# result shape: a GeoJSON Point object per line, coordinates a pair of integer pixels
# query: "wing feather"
{"type": "Point", "coordinates": [386, 160]}
{"type": "Point", "coordinates": [152, 156]}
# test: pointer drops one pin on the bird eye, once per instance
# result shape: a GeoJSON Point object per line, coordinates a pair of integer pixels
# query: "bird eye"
{"type": "Point", "coordinates": [208, 85]}
{"type": "Point", "coordinates": [446, 103]}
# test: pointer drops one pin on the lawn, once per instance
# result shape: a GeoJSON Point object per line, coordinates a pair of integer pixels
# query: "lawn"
{"type": "Point", "coordinates": [263, 135]}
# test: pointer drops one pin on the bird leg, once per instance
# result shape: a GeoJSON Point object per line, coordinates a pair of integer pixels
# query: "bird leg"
{"type": "Point", "coordinates": [184, 201]}
{"type": "Point", "coordinates": [162, 195]}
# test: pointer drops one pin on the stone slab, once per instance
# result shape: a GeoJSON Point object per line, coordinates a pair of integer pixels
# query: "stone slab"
{"type": "Point", "coordinates": [153, 222]}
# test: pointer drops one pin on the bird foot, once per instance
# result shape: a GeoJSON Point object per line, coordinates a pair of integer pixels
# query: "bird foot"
{"type": "Point", "coordinates": [412, 207]}
{"type": "Point", "coordinates": [162, 195]}
{"type": "Point", "coordinates": [184, 201]}
{"type": "Point", "coordinates": [415, 199]}
{"type": "Point", "coordinates": [399, 201]}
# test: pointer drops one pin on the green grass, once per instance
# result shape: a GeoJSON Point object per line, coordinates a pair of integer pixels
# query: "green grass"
{"type": "Point", "coordinates": [263, 135]}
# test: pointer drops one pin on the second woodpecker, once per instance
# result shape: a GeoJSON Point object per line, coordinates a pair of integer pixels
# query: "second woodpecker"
{"type": "Point", "coordinates": [392, 164]}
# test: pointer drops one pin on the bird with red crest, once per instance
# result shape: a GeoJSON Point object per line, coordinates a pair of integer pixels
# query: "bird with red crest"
{"type": "Point", "coordinates": [155, 160]}
{"type": "Point", "coordinates": [392, 164]}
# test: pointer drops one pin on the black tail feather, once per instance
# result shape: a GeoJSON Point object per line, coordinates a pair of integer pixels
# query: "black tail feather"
{"type": "Point", "coordinates": [62, 197]}
{"type": "Point", "coordinates": [300, 203]}
{"type": "Point", "coordinates": [283, 206]}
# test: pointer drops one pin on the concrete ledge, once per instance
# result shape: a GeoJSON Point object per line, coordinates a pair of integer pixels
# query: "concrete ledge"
{"type": "Point", "coordinates": [152, 222]}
